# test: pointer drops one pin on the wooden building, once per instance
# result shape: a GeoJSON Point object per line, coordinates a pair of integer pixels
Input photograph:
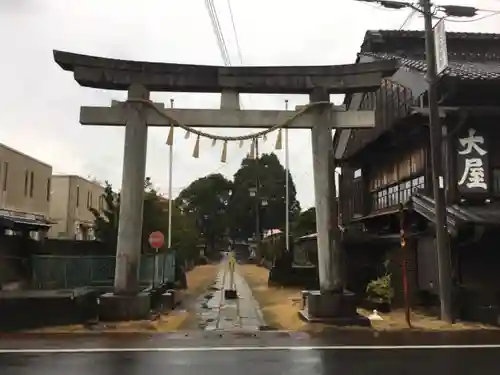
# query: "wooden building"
{"type": "Point", "coordinates": [390, 164]}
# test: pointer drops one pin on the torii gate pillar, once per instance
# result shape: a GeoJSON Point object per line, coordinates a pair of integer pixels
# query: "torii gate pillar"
{"type": "Point", "coordinates": [332, 302]}
{"type": "Point", "coordinates": [330, 277]}
{"type": "Point", "coordinates": [128, 248]}
{"type": "Point", "coordinates": [126, 302]}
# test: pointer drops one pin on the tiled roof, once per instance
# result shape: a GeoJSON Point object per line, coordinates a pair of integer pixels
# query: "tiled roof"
{"type": "Point", "coordinates": [458, 215]}
{"type": "Point", "coordinates": [472, 56]}
{"type": "Point", "coordinates": [420, 34]}
{"type": "Point", "coordinates": [488, 70]}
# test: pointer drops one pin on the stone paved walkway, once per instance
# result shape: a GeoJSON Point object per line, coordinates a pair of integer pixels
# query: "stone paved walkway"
{"type": "Point", "coordinates": [242, 314]}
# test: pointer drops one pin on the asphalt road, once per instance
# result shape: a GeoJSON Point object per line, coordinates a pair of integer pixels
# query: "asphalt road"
{"type": "Point", "coordinates": [235, 353]}
{"type": "Point", "coordinates": [251, 361]}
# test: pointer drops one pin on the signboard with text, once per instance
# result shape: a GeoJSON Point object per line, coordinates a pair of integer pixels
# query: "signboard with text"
{"type": "Point", "coordinates": [441, 47]}
{"type": "Point", "coordinates": [472, 159]}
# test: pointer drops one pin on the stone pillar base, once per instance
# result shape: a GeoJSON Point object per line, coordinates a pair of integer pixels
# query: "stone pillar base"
{"type": "Point", "coordinates": [114, 307]}
{"type": "Point", "coordinates": [333, 308]}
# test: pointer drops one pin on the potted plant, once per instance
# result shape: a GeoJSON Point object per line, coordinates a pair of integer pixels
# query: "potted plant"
{"type": "Point", "coordinates": [380, 293]}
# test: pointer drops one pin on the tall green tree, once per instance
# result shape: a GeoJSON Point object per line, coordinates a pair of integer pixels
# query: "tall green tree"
{"type": "Point", "coordinates": [155, 218]}
{"type": "Point", "coordinates": [305, 223]}
{"type": "Point", "coordinates": [205, 200]}
{"type": "Point", "coordinates": [242, 207]}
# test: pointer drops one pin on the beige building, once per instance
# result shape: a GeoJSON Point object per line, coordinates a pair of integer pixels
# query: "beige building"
{"type": "Point", "coordinates": [72, 198]}
{"type": "Point", "coordinates": [25, 185]}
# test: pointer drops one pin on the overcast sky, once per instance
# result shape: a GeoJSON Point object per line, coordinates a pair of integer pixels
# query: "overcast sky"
{"type": "Point", "coordinates": [39, 104]}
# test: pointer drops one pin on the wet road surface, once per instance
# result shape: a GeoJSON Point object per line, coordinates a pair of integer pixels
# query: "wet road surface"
{"type": "Point", "coordinates": [250, 361]}
{"type": "Point", "coordinates": [240, 353]}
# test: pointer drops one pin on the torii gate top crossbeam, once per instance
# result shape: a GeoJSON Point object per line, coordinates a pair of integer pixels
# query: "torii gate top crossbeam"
{"type": "Point", "coordinates": [114, 74]}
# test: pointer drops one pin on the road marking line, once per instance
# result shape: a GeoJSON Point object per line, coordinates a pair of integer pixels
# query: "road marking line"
{"type": "Point", "coordinates": [244, 348]}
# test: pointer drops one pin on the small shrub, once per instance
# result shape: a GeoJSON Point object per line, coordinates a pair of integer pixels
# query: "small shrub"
{"type": "Point", "coordinates": [380, 290]}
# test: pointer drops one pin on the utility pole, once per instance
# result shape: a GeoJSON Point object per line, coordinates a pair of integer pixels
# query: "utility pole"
{"type": "Point", "coordinates": [436, 138]}
{"type": "Point", "coordinates": [287, 188]}
{"type": "Point", "coordinates": [170, 171]}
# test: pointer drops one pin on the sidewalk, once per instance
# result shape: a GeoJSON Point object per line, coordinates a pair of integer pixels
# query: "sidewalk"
{"type": "Point", "coordinates": [280, 306]}
{"type": "Point", "coordinates": [241, 314]}
{"type": "Point", "coordinates": [181, 319]}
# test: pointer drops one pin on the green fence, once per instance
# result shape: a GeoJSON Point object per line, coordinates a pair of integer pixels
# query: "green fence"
{"type": "Point", "coordinates": [62, 272]}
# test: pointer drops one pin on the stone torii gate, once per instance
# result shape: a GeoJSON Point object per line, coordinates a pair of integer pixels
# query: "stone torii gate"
{"type": "Point", "coordinates": [140, 78]}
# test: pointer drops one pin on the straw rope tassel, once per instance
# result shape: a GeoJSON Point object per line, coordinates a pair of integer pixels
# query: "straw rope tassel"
{"type": "Point", "coordinates": [252, 149]}
{"type": "Point", "coordinates": [279, 145]}
{"type": "Point", "coordinates": [223, 156]}
{"type": "Point", "coordinates": [170, 137]}
{"type": "Point", "coordinates": [188, 133]}
{"type": "Point", "coordinates": [196, 151]}
{"type": "Point", "coordinates": [214, 141]}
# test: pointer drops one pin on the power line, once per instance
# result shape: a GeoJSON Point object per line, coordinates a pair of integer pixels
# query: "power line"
{"type": "Point", "coordinates": [219, 35]}
{"type": "Point", "coordinates": [408, 18]}
{"type": "Point", "coordinates": [447, 19]}
{"type": "Point", "coordinates": [449, 10]}
{"type": "Point", "coordinates": [234, 31]}
{"type": "Point", "coordinates": [379, 7]}
{"type": "Point", "coordinates": [217, 30]}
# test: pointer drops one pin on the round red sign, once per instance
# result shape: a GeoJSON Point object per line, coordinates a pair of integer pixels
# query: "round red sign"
{"type": "Point", "coordinates": [156, 240]}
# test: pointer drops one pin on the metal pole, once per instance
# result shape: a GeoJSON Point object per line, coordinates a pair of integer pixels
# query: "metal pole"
{"type": "Point", "coordinates": [257, 196]}
{"type": "Point", "coordinates": [231, 270]}
{"type": "Point", "coordinates": [170, 169]}
{"type": "Point", "coordinates": [442, 240]}
{"type": "Point", "coordinates": [287, 187]}
{"type": "Point", "coordinates": [404, 264]}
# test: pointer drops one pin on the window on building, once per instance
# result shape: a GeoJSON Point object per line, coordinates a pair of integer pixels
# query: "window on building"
{"type": "Point", "coordinates": [5, 174]}
{"type": "Point", "coordinates": [393, 195]}
{"type": "Point", "coordinates": [357, 173]}
{"type": "Point", "coordinates": [78, 196]}
{"type": "Point", "coordinates": [405, 191]}
{"type": "Point", "coordinates": [32, 183]}
{"type": "Point", "coordinates": [89, 199]}
{"type": "Point", "coordinates": [48, 189]}
{"type": "Point", "coordinates": [101, 203]}
{"type": "Point", "coordinates": [26, 181]}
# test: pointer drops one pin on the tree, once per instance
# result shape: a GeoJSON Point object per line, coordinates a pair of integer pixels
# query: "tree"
{"type": "Point", "coordinates": [155, 218]}
{"type": "Point", "coordinates": [205, 200]}
{"type": "Point", "coordinates": [106, 223]}
{"type": "Point", "coordinates": [242, 207]}
{"type": "Point", "coordinates": [305, 223]}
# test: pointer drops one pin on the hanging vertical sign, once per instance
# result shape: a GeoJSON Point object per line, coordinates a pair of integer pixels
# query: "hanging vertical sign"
{"type": "Point", "coordinates": [472, 161]}
{"type": "Point", "coordinates": [441, 47]}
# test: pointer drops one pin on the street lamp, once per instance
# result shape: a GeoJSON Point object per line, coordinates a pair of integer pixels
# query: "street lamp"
{"type": "Point", "coordinates": [443, 250]}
